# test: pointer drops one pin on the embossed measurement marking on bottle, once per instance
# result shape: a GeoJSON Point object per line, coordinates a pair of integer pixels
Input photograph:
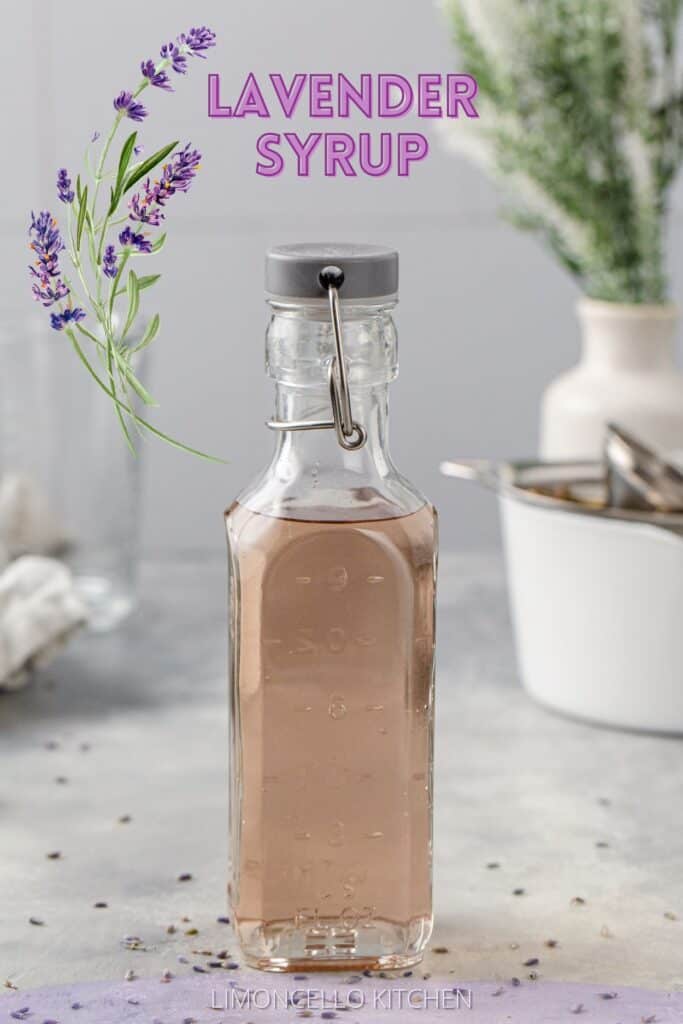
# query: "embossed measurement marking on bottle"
{"type": "Point", "coordinates": [337, 577]}
{"type": "Point", "coordinates": [343, 666]}
{"type": "Point", "coordinates": [337, 708]}
{"type": "Point", "coordinates": [336, 837]}
{"type": "Point", "coordinates": [334, 639]}
{"type": "Point", "coordinates": [303, 640]}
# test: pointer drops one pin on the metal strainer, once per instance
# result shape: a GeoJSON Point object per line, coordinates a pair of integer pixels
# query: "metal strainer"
{"type": "Point", "coordinates": [638, 478]}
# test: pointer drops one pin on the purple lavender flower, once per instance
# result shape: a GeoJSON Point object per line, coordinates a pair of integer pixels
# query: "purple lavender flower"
{"type": "Point", "coordinates": [146, 206]}
{"type": "Point", "coordinates": [47, 293]}
{"type": "Point", "coordinates": [192, 42]}
{"type": "Point", "coordinates": [137, 150]}
{"type": "Point", "coordinates": [198, 39]}
{"type": "Point", "coordinates": [143, 206]}
{"type": "Point", "coordinates": [109, 267]}
{"type": "Point", "coordinates": [135, 240]}
{"type": "Point", "coordinates": [158, 78]}
{"type": "Point", "coordinates": [64, 190]}
{"type": "Point", "coordinates": [178, 174]}
{"type": "Point", "coordinates": [134, 110]}
{"type": "Point", "coordinates": [94, 137]}
{"type": "Point", "coordinates": [70, 315]}
{"type": "Point", "coordinates": [171, 51]}
{"type": "Point", "coordinates": [46, 242]}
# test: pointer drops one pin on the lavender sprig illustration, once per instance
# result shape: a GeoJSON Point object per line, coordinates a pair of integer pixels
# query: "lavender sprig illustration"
{"type": "Point", "coordinates": [105, 235]}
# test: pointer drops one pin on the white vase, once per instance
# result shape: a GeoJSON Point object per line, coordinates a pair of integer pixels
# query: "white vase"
{"type": "Point", "coordinates": [627, 374]}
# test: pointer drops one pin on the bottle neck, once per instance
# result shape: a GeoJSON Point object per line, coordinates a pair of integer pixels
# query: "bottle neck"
{"type": "Point", "coordinates": [311, 476]}
{"type": "Point", "coordinates": [318, 451]}
{"type": "Point", "coordinates": [300, 348]}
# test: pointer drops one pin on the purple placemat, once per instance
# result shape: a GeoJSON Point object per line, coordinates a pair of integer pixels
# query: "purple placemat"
{"type": "Point", "coordinates": [250, 998]}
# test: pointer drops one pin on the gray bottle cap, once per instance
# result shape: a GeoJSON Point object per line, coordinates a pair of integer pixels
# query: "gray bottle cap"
{"type": "Point", "coordinates": [370, 271]}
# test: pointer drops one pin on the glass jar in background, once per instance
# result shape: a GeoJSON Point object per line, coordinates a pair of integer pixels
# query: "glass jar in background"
{"type": "Point", "coordinates": [332, 568]}
{"type": "Point", "coordinates": [69, 485]}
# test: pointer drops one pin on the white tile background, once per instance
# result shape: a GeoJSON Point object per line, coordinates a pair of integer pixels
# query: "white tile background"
{"type": "Point", "coordinates": [485, 318]}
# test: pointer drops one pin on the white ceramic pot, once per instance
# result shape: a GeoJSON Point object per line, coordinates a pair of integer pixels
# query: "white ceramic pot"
{"type": "Point", "coordinates": [596, 606]}
{"type": "Point", "coordinates": [596, 602]}
{"type": "Point", "coordinates": [627, 374]}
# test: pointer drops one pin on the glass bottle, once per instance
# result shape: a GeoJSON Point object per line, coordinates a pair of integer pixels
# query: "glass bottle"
{"type": "Point", "coordinates": [332, 558]}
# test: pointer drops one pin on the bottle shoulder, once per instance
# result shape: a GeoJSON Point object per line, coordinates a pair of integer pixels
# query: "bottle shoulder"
{"type": "Point", "coordinates": [331, 497]}
{"type": "Point", "coordinates": [269, 543]}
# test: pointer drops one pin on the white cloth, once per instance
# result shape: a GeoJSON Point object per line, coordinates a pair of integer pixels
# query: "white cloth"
{"type": "Point", "coordinates": [39, 608]}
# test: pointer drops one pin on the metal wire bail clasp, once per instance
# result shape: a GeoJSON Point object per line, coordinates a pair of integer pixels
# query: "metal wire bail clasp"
{"type": "Point", "coordinates": [350, 435]}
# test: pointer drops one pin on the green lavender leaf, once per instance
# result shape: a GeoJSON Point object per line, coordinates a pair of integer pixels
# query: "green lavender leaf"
{"type": "Point", "coordinates": [92, 337]}
{"type": "Point", "coordinates": [81, 217]}
{"type": "Point", "coordinates": [122, 407]}
{"type": "Point", "coordinates": [145, 281]}
{"type": "Point", "coordinates": [150, 334]}
{"type": "Point", "coordinates": [111, 355]}
{"type": "Point", "coordinates": [133, 301]}
{"type": "Point", "coordinates": [137, 387]}
{"type": "Point", "coordinates": [124, 161]}
{"type": "Point", "coordinates": [159, 243]}
{"type": "Point", "coordinates": [78, 188]}
{"type": "Point", "coordinates": [91, 239]}
{"type": "Point", "coordinates": [122, 423]}
{"type": "Point", "coordinates": [146, 166]}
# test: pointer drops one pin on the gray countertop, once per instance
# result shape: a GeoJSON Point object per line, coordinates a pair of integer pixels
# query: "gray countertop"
{"type": "Point", "coordinates": [134, 724]}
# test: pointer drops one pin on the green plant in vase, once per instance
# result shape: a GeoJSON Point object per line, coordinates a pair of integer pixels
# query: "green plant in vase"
{"type": "Point", "coordinates": [115, 212]}
{"type": "Point", "coordinates": [581, 122]}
